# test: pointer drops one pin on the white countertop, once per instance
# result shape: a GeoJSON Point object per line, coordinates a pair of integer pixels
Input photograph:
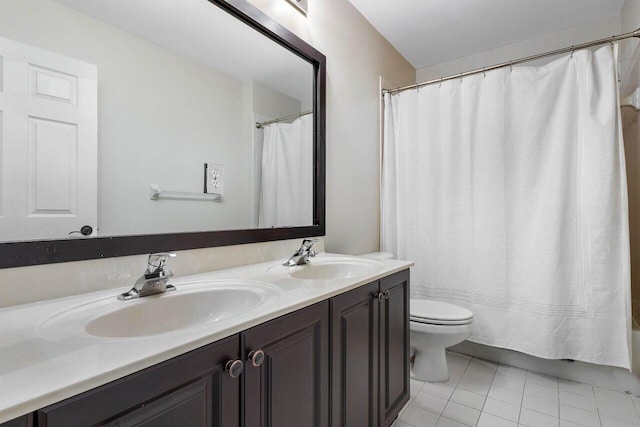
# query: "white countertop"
{"type": "Point", "coordinates": [40, 366]}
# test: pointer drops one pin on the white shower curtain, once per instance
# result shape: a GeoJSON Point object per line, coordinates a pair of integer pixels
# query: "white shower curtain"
{"type": "Point", "coordinates": [508, 190]}
{"type": "Point", "coordinates": [286, 197]}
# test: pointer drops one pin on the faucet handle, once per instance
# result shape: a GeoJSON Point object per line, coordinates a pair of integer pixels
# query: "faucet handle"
{"type": "Point", "coordinates": [157, 261]}
{"type": "Point", "coordinates": [308, 243]}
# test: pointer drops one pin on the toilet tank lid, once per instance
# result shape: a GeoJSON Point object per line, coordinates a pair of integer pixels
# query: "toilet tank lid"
{"type": "Point", "coordinates": [437, 310]}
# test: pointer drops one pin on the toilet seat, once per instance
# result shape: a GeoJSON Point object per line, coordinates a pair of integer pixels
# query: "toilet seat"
{"type": "Point", "coordinates": [438, 313]}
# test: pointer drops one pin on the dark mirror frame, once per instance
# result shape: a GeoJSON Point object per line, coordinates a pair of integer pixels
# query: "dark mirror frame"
{"type": "Point", "coordinates": [19, 254]}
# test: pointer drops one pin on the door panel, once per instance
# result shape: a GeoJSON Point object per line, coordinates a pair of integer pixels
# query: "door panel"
{"type": "Point", "coordinates": [48, 143]}
{"type": "Point", "coordinates": [290, 389]}
{"type": "Point", "coordinates": [24, 421]}
{"type": "Point", "coordinates": [354, 357]}
{"type": "Point", "coordinates": [194, 386]}
{"type": "Point", "coordinates": [394, 346]}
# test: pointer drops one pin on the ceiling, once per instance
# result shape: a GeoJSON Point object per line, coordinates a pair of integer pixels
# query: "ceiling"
{"type": "Point", "coordinates": [429, 32]}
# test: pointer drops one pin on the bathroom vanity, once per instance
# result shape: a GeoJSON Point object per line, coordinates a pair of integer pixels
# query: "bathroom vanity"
{"type": "Point", "coordinates": [313, 352]}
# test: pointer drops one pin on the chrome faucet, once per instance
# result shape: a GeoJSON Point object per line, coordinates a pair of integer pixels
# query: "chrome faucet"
{"type": "Point", "coordinates": [303, 254]}
{"type": "Point", "coordinates": [154, 280]}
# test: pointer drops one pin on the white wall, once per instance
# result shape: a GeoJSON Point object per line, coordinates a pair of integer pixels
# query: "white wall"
{"type": "Point", "coordinates": [356, 56]}
{"type": "Point", "coordinates": [152, 105]}
{"type": "Point", "coordinates": [545, 43]}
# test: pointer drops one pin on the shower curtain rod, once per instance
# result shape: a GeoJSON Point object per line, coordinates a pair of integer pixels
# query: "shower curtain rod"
{"type": "Point", "coordinates": [611, 39]}
{"type": "Point", "coordinates": [292, 116]}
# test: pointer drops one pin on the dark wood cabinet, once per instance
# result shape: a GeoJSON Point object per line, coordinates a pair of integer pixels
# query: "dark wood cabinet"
{"type": "Point", "coordinates": [394, 346]}
{"type": "Point", "coordinates": [290, 388]}
{"type": "Point", "coordinates": [190, 390]}
{"type": "Point", "coordinates": [354, 357]}
{"type": "Point", "coordinates": [342, 362]}
{"type": "Point", "coordinates": [370, 353]}
{"type": "Point", "coordinates": [24, 421]}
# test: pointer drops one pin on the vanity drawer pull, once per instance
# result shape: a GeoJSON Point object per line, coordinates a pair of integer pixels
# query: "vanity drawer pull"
{"type": "Point", "coordinates": [234, 368]}
{"type": "Point", "coordinates": [386, 294]}
{"type": "Point", "coordinates": [379, 295]}
{"type": "Point", "coordinates": [256, 357]}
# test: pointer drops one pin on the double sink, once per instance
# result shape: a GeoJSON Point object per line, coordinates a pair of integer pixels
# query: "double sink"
{"type": "Point", "coordinates": [195, 304]}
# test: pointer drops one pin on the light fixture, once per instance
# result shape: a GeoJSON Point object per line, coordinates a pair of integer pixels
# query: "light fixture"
{"type": "Point", "coordinates": [301, 5]}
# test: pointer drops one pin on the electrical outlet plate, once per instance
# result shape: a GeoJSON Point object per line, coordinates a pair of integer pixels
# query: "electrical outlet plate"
{"type": "Point", "coordinates": [214, 178]}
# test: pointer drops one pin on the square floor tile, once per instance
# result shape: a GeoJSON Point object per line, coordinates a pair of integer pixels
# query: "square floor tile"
{"type": "Point", "coordinates": [576, 388]}
{"type": "Point", "coordinates": [419, 417]}
{"type": "Point", "coordinates": [456, 369]}
{"type": "Point", "coordinates": [541, 391]}
{"type": "Point", "coordinates": [480, 370]}
{"type": "Point", "coordinates": [511, 371]}
{"type": "Point", "coordinates": [454, 379]}
{"type": "Point", "coordinates": [623, 411]}
{"type": "Point", "coordinates": [542, 379]}
{"type": "Point", "coordinates": [467, 398]}
{"type": "Point", "coordinates": [458, 357]}
{"type": "Point", "coordinates": [506, 395]}
{"type": "Point", "coordinates": [432, 403]}
{"type": "Point", "coordinates": [531, 418]}
{"type": "Point", "coordinates": [579, 416]}
{"type": "Point", "coordinates": [636, 402]}
{"type": "Point", "coordinates": [488, 420]}
{"type": "Point", "coordinates": [610, 396]}
{"type": "Point", "coordinates": [474, 385]}
{"type": "Point", "coordinates": [438, 389]}
{"type": "Point", "coordinates": [461, 413]}
{"type": "Point", "coordinates": [415, 386]}
{"type": "Point", "coordinates": [501, 409]}
{"type": "Point", "coordinates": [612, 422]}
{"type": "Point", "coordinates": [448, 422]}
{"type": "Point", "coordinates": [587, 403]}
{"type": "Point", "coordinates": [537, 404]}
{"type": "Point", "coordinates": [505, 381]}
{"type": "Point", "coordinates": [398, 423]}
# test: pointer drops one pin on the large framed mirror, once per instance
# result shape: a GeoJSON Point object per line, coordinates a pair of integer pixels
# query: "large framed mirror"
{"type": "Point", "coordinates": [154, 125]}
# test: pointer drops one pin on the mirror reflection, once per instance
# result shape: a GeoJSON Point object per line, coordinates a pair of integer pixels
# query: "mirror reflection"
{"type": "Point", "coordinates": [148, 117]}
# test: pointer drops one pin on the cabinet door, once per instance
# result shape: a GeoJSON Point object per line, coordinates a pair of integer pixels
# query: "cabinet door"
{"type": "Point", "coordinates": [24, 421]}
{"type": "Point", "coordinates": [354, 357]}
{"type": "Point", "coordinates": [290, 388]}
{"type": "Point", "coordinates": [190, 390]}
{"type": "Point", "coordinates": [394, 346]}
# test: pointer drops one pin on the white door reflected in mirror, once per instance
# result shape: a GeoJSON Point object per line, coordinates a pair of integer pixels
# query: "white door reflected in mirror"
{"type": "Point", "coordinates": [48, 119]}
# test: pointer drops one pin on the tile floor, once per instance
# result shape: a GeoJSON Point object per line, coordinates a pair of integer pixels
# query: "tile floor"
{"type": "Point", "coordinates": [486, 394]}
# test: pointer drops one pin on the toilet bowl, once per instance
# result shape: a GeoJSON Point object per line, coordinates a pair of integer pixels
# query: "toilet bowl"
{"type": "Point", "coordinates": [434, 326]}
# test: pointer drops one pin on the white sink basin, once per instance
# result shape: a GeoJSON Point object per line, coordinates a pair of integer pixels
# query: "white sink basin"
{"type": "Point", "coordinates": [190, 306]}
{"type": "Point", "coordinates": [334, 269]}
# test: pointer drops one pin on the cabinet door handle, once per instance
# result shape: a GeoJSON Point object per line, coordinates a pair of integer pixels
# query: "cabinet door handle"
{"type": "Point", "coordinates": [234, 368]}
{"type": "Point", "coordinates": [379, 295]}
{"type": "Point", "coordinates": [386, 294]}
{"type": "Point", "coordinates": [256, 357]}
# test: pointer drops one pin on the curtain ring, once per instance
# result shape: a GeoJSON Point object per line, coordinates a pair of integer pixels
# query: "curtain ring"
{"type": "Point", "coordinates": [572, 50]}
{"type": "Point", "coordinates": [460, 78]}
{"type": "Point", "coordinates": [510, 66]}
{"type": "Point", "coordinates": [441, 79]}
{"type": "Point", "coordinates": [484, 72]}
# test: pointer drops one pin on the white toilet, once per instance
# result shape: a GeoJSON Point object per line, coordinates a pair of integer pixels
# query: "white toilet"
{"type": "Point", "coordinates": [435, 326]}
